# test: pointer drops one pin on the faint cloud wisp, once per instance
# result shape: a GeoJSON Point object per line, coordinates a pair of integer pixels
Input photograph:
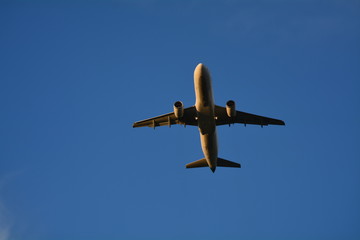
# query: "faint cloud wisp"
{"type": "Point", "coordinates": [4, 223]}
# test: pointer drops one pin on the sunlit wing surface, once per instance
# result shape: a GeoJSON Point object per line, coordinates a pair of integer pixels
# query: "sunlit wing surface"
{"type": "Point", "coordinates": [244, 118]}
{"type": "Point", "coordinates": [189, 118]}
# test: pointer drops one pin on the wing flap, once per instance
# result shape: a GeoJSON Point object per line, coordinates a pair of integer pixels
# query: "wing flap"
{"type": "Point", "coordinates": [244, 118]}
{"type": "Point", "coordinates": [168, 119]}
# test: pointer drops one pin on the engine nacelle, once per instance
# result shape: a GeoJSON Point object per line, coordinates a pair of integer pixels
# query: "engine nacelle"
{"type": "Point", "coordinates": [178, 109]}
{"type": "Point", "coordinates": [230, 108]}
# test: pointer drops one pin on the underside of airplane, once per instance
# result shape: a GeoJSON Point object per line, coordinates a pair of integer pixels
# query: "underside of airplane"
{"type": "Point", "coordinates": [206, 116]}
{"type": "Point", "coordinates": [223, 116]}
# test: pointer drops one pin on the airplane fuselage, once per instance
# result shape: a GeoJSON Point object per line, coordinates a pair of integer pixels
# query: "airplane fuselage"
{"type": "Point", "coordinates": [206, 115]}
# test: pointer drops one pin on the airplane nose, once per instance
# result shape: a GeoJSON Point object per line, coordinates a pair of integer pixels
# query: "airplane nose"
{"type": "Point", "coordinates": [213, 169]}
{"type": "Point", "coordinates": [200, 67]}
{"type": "Point", "coordinates": [200, 71]}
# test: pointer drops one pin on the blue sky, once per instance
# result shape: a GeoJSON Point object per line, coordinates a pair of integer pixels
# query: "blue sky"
{"type": "Point", "coordinates": [75, 76]}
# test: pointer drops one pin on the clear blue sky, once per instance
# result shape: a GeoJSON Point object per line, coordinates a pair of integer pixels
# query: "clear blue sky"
{"type": "Point", "coordinates": [75, 76]}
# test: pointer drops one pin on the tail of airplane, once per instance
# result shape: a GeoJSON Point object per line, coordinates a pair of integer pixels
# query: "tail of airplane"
{"type": "Point", "coordinates": [199, 163]}
{"type": "Point", "coordinates": [220, 163]}
{"type": "Point", "coordinates": [226, 163]}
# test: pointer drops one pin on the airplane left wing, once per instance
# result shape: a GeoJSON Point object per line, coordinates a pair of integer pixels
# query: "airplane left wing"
{"type": "Point", "coordinates": [243, 117]}
{"type": "Point", "coordinates": [189, 118]}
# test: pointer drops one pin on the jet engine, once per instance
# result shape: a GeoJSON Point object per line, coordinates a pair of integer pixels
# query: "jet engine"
{"type": "Point", "coordinates": [230, 108]}
{"type": "Point", "coordinates": [178, 109]}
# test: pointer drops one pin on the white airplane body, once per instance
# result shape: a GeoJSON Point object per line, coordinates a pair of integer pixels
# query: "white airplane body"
{"type": "Point", "coordinates": [206, 115]}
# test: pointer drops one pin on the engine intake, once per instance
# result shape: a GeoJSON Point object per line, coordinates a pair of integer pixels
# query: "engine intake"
{"type": "Point", "coordinates": [230, 108]}
{"type": "Point", "coordinates": [178, 109]}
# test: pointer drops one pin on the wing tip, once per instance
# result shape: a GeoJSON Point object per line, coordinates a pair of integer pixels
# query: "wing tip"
{"type": "Point", "coordinates": [278, 122]}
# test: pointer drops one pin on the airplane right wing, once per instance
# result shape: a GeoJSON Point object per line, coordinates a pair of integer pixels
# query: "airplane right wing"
{"type": "Point", "coordinates": [243, 117]}
{"type": "Point", "coordinates": [189, 118]}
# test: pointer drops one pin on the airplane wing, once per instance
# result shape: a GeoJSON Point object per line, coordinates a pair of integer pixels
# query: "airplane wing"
{"type": "Point", "coordinates": [243, 117]}
{"type": "Point", "coordinates": [189, 118]}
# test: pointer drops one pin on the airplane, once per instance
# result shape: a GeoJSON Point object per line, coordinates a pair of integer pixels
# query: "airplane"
{"type": "Point", "coordinates": [206, 116]}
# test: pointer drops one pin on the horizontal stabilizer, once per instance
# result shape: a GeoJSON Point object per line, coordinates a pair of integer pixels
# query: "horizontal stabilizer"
{"type": "Point", "coordinates": [220, 163]}
{"type": "Point", "coordinates": [226, 163]}
{"type": "Point", "coordinates": [198, 163]}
